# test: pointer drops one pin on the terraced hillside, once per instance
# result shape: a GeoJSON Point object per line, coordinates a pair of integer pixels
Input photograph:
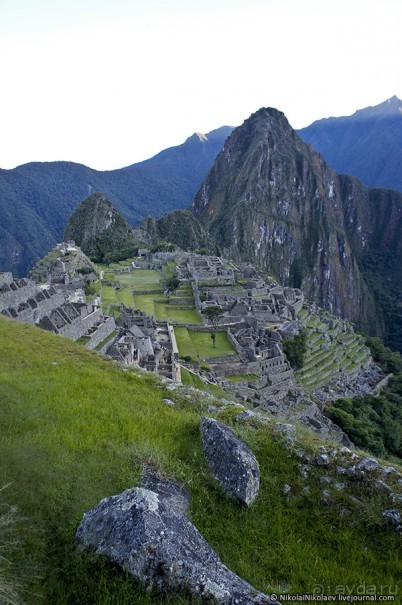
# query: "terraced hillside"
{"type": "Point", "coordinates": [332, 348]}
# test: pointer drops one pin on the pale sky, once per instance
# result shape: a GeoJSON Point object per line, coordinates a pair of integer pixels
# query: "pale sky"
{"type": "Point", "coordinates": [108, 83]}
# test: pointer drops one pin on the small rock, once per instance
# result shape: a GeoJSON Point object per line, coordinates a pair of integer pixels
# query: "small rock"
{"type": "Point", "coordinates": [389, 470]}
{"type": "Point", "coordinates": [355, 501]}
{"type": "Point", "coordinates": [396, 498]}
{"type": "Point", "coordinates": [287, 430]}
{"type": "Point", "coordinates": [304, 470]}
{"type": "Point", "coordinates": [393, 516]}
{"type": "Point", "coordinates": [286, 489]}
{"type": "Point", "coordinates": [322, 459]}
{"type": "Point", "coordinates": [368, 464]}
{"type": "Point", "coordinates": [251, 415]}
{"type": "Point", "coordinates": [306, 490]}
{"type": "Point", "coordinates": [325, 479]}
{"type": "Point", "coordinates": [168, 402]}
{"type": "Point", "coordinates": [384, 487]}
{"type": "Point", "coordinates": [339, 486]}
{"type": "Point", "coordinates": [326, 496]}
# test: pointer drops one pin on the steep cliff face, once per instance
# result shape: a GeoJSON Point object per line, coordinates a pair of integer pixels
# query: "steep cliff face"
{"type": "Point", "coordinates": [271, 200]}
{"type": "Point", "coordinates": [100, 231]}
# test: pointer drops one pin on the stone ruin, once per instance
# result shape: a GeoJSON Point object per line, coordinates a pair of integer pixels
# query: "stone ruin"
{"type": "Point", "coordinates": [146, 343]}
{"type": "Point", "coordinates": [50, 309]}
{"type": "Point", "coordinates": [260, 354]}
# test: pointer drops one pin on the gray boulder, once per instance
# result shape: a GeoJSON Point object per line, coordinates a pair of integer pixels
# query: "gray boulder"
{"type": "Point", "coordinates": [232, 463]}
{"type": "Point", "coordinates": [142, 532]}
{"type": "Point", "coordinates": [322, 459]}
{"type": "Point", "coordinates": [368, 464]}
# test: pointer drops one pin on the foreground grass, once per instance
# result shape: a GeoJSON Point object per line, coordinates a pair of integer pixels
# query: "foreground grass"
{"type": "Point", "coordinates": [74, 429]}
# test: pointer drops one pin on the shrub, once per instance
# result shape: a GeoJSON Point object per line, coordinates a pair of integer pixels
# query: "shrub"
{"type": "Point", "coordinates": [295, 349]}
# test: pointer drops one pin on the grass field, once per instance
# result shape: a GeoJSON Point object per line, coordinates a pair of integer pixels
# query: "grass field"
{"type": "Point", "coordinates": [200, 344]}
{"type": "Point", "coordinates": [74, 429]}
{"type": "Point", "coordinates": [140, 279]}
{"type": "Point", "coordinates": [143, 279]}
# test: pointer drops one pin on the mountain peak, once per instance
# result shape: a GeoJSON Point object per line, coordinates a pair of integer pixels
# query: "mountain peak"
{"type": "Point", "coordinates": [387, 109]}
{"type": "Point", "coordinates": [201, 137]}
{"type": "Point", "coordinates": [366, 144]}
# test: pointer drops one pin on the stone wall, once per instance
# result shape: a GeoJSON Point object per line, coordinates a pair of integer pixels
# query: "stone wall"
{"type": "Point", "coordinates": [196, 294]}
{"type": "Point", "coordinates": [25, 301]}
{"type": "Point", "coordinates": [92, 318]}
{"type": "Point", "coordinates": [18, 292]}
{"type": "Point", "coordinates": [5, 278]}
{"type": "Point", "coordinates": [103, 331]}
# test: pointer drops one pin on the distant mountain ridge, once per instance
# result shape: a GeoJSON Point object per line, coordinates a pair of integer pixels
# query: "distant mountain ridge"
{"type": "Point", "coordinates": [367, 144]}
{"type": "Point", "coordinates": [36, 199]}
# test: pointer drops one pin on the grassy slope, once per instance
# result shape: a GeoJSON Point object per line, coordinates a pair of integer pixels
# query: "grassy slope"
{"type": "Point", "coordinates": [74, 429]}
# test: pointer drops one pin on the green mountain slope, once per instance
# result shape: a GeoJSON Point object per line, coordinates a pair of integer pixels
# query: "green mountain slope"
{"type": "Point", "coordinates": [36, 199]}
{"type": "Point", "coordinates": [366, 144]}
{"type": "Point", "coordinates": [100, 231]}
{"type": "Point", "coordinates": [75, 429]}
{"type": "Point", "coordinates": [181, 228]}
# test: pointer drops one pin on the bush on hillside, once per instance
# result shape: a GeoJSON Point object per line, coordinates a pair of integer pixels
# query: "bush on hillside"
{"type": "Point", "coordinates": [295, 349]}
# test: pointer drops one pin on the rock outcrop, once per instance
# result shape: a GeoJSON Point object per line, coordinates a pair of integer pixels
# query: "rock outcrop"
{"type": "Point", "coordinates": [142, 531]}
{"type": "Point", "coordinates": [232, 463]}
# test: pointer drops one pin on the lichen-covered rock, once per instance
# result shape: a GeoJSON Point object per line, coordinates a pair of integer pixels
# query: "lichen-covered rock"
{"type": "Point", "coordinates": [394, 518]}
{"type": "Point", "coordinates": [368, 464]}
{"type": "Point", "coordinates": [381, 485]}
{"type": "Point", "coordinates": [322, 459]}
{"type": "Point", "coordinates": [156, 543]}
{"type": "Point", "coordinates": [232, 463]}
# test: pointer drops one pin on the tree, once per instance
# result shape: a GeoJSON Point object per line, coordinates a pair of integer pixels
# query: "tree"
{"type": "Point", "coordinates": [171, 285]}
{"type": "Point", "coordinates": [213, 314]}
{"type": "Point", "coordinates": [295, 349]}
